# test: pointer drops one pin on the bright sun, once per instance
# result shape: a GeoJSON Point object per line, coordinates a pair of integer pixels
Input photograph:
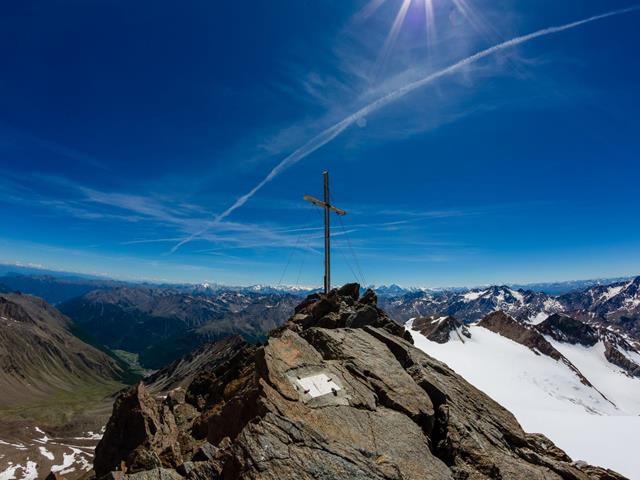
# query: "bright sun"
{"type": "Point", "coordinates": [461, 6]}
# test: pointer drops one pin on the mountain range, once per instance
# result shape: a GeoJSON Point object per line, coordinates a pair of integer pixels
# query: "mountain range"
{"type": "Point", "coordinates": [616, 304]}
{"type": "Point", "coordinates": [55, 286]}
{"type": "Point", "coordinates": [159, 323]}
{"type": "Point", "coordinates": [162, 324]}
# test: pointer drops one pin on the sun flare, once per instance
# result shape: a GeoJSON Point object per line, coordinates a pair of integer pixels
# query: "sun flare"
{"type": "Point", "coordinates": [427, 8]}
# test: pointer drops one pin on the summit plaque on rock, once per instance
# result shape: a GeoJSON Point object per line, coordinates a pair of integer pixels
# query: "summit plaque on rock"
{"type": "Point", "coordinates": [318, 385]}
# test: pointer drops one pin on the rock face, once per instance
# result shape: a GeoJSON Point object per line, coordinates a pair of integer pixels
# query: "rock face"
{"type": "Point", "coordinates": [612, 354]}
{"type": "Point", "coordinates": [338, 392]}
{"type": "Point", "coordinates": [566, 329]}
{"type": "Point", "coordinates": [439, 329]}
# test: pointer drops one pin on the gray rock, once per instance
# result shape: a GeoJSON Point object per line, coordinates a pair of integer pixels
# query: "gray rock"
{"type": "Point", "coordinates": [205, 452]}
{"type": "Point", "coordinates": [156, 474]}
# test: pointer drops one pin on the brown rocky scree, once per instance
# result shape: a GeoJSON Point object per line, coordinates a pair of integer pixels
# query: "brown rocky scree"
{"type": "Point", "coordinates": [338, 392]}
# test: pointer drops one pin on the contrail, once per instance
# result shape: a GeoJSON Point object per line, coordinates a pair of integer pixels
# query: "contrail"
{"type": "Point", "coordinates": [332, 132]}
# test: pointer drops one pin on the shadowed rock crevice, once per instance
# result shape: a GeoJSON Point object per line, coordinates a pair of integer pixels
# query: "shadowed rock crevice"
{"type": "Point", "coordinates": [338, 392]}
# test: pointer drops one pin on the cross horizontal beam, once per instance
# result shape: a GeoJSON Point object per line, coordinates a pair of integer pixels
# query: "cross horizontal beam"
{"type": "Point", "coordinates": [322, 204]}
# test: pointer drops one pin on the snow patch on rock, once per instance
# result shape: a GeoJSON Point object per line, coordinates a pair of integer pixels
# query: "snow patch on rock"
{"type": "Point", "coordinates": [46, 453]}
{"type": "Point", "coordinates": [473, 295]}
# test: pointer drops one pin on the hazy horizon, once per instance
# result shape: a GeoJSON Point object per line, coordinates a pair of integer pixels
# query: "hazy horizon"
{"type": "Point", "coordinates": [37, 269]}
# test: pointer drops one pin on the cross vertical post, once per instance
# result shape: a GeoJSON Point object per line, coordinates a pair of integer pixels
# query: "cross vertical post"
{"type": "Point", "coordinates": [328, 208]}
{"type": "Point", "coordinates": [327, 235]}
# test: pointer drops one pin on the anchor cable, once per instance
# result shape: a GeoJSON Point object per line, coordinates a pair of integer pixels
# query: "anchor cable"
{"type": "Point", "coordinates": [295, 248]}
{"type": "Point", "coordinates": [351, 249]}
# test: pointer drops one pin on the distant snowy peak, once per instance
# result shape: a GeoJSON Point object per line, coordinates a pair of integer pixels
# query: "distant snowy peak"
{"type": "Point", "coordinates": [561, 288]}
{"type": "Point", "coordinates": [391, 290]}
{"type": "Point", "coordinates": [496, 294]}
{"type": "Point", "coordinates": [525, 305]}
{"type": "Point", "coordinates": [291, 289]}
{"type": "Point", "coordinates": [616, 305]}
{"type": "Point", "coordinates": [622, 299]}
{"type": "Point", "coordinates": [208, 288]}
{"type": "Point", "coordinates": [610, 298]}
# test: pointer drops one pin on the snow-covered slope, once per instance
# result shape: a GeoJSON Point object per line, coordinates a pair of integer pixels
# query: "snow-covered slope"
{"type": "Point", "coordinates": [548, 397]}
{"type": "Point", "coordinates": [609, 379]}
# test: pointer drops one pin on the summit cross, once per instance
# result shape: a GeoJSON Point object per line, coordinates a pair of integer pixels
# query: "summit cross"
{"type": "Point", "coordinates": [328, 208]}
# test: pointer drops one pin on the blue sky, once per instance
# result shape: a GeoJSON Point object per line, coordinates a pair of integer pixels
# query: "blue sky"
{"type": "Point", "coordinates": [128, 127]}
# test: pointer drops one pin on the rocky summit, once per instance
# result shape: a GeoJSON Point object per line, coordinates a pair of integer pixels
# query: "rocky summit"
{"type": "Point", "coordinates": [338, 392]}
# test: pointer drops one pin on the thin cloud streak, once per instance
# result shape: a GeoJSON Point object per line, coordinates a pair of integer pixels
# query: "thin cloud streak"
{"type": "Point", "coordinates": [332, 132]}
{"type": "Point", "coordinates": [168, 213]}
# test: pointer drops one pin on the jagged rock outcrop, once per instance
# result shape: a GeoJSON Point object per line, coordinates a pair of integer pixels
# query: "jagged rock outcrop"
{"type": "Point", "coordinates": [338, 392]}
{"type": "Point", "coordinates": [439, 329]}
